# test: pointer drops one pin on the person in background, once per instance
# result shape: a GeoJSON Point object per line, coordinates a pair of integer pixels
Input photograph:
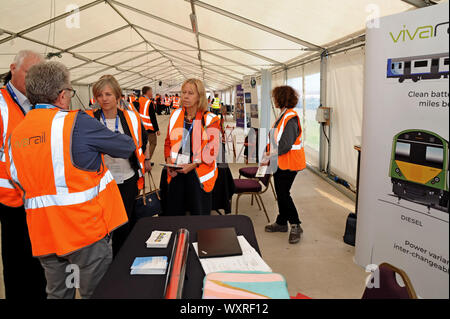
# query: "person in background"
{"type": "Point", "coordinates": [70, 197]}
{"type": "Point", "coordinates": [148, 116]}
{"type": "Point", "coordinates": [192, 142]}
{"type": "Point", "coordinates": [285, 148]}
{"type": "Point", "coordinates": [128, 172]}
{"type": "Point", "coordinates": [19, 265]}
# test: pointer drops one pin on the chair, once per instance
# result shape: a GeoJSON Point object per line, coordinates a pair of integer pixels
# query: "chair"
{"type": "Point", "coordinates": [252, 187]}
{"type": "Point", "coordinates": [250, 172]}
{"type": "Point", "coordinates": [388, 286]}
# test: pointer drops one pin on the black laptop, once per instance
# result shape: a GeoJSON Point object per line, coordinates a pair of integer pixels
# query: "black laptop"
{"type": "Point", "coordinates": [218, 242]}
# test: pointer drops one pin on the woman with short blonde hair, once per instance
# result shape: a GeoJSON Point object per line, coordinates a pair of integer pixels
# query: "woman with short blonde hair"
{"type": "Point", "coordinates": [192, 144]}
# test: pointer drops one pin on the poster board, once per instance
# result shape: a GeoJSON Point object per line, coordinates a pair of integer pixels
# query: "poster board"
{"type": "Point", "coordinates": [403, 196]}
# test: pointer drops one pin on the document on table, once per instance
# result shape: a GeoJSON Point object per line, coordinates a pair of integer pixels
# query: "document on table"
{"type": "Point", "coordinates": [250, 260]}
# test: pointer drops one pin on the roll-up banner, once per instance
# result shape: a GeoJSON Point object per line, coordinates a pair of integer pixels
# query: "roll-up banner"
{"type": "Point", "coordinates": [403, 201]}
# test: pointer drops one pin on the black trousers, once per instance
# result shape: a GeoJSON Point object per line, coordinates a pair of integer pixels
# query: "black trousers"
{"type": "Point", "coordinates": [287, 212]}
{"type": "Point", "coordinates": [23, 274]}
{"type": "Point", "coordinates": [186, 194]}
{"type": "Point", "coordinates": [128, 190]}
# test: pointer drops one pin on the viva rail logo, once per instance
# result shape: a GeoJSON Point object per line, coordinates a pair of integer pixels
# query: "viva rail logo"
{"type": "Point", "coordinates": [422, 32]}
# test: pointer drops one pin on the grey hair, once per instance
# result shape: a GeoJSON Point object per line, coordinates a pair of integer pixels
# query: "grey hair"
{"type": "Point", "coordinates": [18, 59]}
{"type": "Point", "coordinates": [44, 81]}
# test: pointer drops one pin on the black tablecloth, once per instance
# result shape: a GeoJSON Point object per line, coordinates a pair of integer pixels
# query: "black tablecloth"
{"type": "Point", "coordinates": [118, 283]}
{"type": "Point", "coordinates": [221, 194]}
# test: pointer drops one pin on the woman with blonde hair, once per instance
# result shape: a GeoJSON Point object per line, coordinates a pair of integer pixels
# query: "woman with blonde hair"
{"type": "Point", "coordinates": [128, 173]}
{"type": "Point", "coordinates": [192, 144]}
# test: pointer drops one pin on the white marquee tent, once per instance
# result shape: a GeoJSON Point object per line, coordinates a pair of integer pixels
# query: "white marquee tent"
{"type": "Point", "coordinates": [148, 42]}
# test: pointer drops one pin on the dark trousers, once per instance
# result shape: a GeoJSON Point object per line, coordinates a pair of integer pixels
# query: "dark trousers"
{"type": "Point", "coordinates": [185, 194]}
{"type": "Point", "coordinates": [283, 180]}
{"type": "Point", "coordinates": [23, 274]}
{"type": "Point", "coordinates": [128, 190]}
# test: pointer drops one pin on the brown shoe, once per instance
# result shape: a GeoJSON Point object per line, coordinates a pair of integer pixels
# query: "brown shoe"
{"type": "Point", "coordinates": [272, 228]}
{"type": "Point", "coordinates": [295, 234]}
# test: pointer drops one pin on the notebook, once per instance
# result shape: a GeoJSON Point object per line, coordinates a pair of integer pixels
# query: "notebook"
{"type": "Point", "coordinates": [218, 242]}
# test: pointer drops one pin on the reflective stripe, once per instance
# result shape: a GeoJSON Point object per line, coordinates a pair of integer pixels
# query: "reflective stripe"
{"type": "Point", "coordinates": [280, 132]}
{"type": "Point", "coordinates": [4, 112]}
{"type": "Point", "coordinates": [208, 176]}
{"type": "Point", "coordinates": [6, 183]}
{"type": "Point", "coordinates": [12, 167]}
{"type": "Point", "coordinates": [57, 148]}
{"type": "Point", "coordinates": [174, 118]}
{"type": "Point", "coordinates": [134, 123]}
{"type": "Point", "coordinates": [174, 155]}
{"type": "Point", "coordinates": [68, 199]}
{"type": "Point", "coordinates": [209, 118]}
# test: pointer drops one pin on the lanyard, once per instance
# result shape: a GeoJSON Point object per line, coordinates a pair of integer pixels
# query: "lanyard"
{"type": "Point", "coordinates": [187, 136]}
{"type": "Point", "coordinates": [46, 106]}
{"type": "Point", "coordinates": [116, 130]}
{"type": "Point", "coordinates": [14, 96]}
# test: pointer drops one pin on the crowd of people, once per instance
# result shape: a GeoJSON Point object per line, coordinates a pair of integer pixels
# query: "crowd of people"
{"type": "Point", "coordinates": [69, 179]}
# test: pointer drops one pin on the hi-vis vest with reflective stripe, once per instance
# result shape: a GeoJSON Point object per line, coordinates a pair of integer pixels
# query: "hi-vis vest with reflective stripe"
{"type": "Point", "coordinates": [216, 103]}
{"type": "Point", "coordinates": [10, 115]}
{"type": "Point", "coordinates": [144, 104]}
{"type": "Point", "coordinates": [167, 101]}
{"type": "Point", "coordinates": [134, 124]}
{"type": "Point", "coordinates": [204, 151]}
{"type": "Point", "coordinates": [293, 160]}
{"type": "Point", "coordinates": [176, 102]}
{"type": "Point", "coordinates": [67, 208]}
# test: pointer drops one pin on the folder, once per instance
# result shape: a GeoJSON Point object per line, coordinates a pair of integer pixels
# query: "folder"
{"type": "Point", "coordinates": [218, 242]}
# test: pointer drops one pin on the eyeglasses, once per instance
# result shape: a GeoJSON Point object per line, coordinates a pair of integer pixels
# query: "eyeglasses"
{"type": "Point", "coordinates": [72, 91]}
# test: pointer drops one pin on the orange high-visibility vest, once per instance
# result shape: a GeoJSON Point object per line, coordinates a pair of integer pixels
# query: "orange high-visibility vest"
{"type": "Point", "coordinates": [293, 160]}
{"type": "Point", "coordinates": [92, 100]}
{"type": "Point", "coordinates": [144, 104]}
{"type": "Point", "coordinates": [176, 102]}
{"type": "Point", "coordinates": [134, 124]}
{"type": "Point", "coordinates": [67, 208]}
{"type": "Point", "coordinates": [10, 116]}
{"type": "Point", "coordinates": [204, 150]}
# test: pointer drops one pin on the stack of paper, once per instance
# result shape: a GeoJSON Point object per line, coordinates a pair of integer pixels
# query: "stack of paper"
{"type": "Point", "coordinates": [158, 239]}
{"type": "Point", "coordinates": [155, 265]}
{"type": "Point", "coordinates": [250, 260]}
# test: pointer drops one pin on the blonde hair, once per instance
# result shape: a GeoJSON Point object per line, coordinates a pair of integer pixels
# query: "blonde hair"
{"type": "Point", "coordinates": [105, 80]}
{"type": "Point", "coordinates": [202, 100]}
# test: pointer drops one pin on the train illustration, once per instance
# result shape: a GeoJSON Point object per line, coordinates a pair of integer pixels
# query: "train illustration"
{"type": "Point", "coordinates": [419, 168]}
{"type": "Point", "coordinates": [423, 67]}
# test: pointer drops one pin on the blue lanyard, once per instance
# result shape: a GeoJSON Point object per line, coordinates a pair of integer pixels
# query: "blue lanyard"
{"type": "Point", "coordinates": [14, 96]}
{"type": "Point", "coordinates": [187, 136]}
{"type": "Point", "coordinates": [117, 122]}
{"type": "Point", "coordinates": [46, 106]}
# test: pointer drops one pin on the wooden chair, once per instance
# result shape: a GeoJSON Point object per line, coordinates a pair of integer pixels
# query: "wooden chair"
{"type": "Point", "coordinates": [388, 285]}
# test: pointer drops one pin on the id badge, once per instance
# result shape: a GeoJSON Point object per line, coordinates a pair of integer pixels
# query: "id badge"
{"type": "Point", "coordinates": [182, 159]}
{"type": "Point", "coordinates": [116, 169]}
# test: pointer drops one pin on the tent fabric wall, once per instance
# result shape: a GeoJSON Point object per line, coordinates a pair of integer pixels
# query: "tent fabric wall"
{"type": "Point", "coordinates": [345, 78]}
{"type": "Point", "coordinates": [82, 97]}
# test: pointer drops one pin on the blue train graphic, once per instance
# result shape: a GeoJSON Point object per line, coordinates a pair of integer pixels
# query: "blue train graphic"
{"type": "Point", "coordinates": [423, 67]}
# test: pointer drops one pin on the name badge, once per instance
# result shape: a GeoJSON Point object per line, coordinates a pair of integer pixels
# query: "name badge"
{"type": "Point", "coordinates": [183, 159]}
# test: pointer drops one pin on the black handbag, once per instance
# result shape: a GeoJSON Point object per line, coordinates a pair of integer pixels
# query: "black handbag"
{"type": "Point", "coordinates": [148, 203]}
{"type": "Point", "coordinates": [350, 230]}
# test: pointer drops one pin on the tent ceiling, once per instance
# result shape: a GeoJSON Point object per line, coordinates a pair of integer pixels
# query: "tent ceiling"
{"type": "Point", "coordinates": [147, 41]}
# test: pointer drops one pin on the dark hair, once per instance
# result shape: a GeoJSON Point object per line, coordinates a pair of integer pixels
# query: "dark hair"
{"type": "Point", "coordinates": [145, 89]}
{"type": "Point", "coordinates": [285, 96]}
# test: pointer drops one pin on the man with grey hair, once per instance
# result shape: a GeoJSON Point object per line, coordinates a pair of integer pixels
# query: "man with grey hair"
{"type": "Point", "coordinates": [71, 199]}
{"type": "Point", "coordinates": [18, 262]}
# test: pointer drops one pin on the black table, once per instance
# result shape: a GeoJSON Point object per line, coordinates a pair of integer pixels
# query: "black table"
{"type": "Point", "coordinates": [221, 194]}
{"type": "Point", "coordinates": [119, 284]}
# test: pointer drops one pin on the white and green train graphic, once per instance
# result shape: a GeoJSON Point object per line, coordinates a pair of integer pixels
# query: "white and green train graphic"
{"type": "Point", "coordinates": [419, 168]}
{"type": "Point", "coordinates": [423, 67]}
